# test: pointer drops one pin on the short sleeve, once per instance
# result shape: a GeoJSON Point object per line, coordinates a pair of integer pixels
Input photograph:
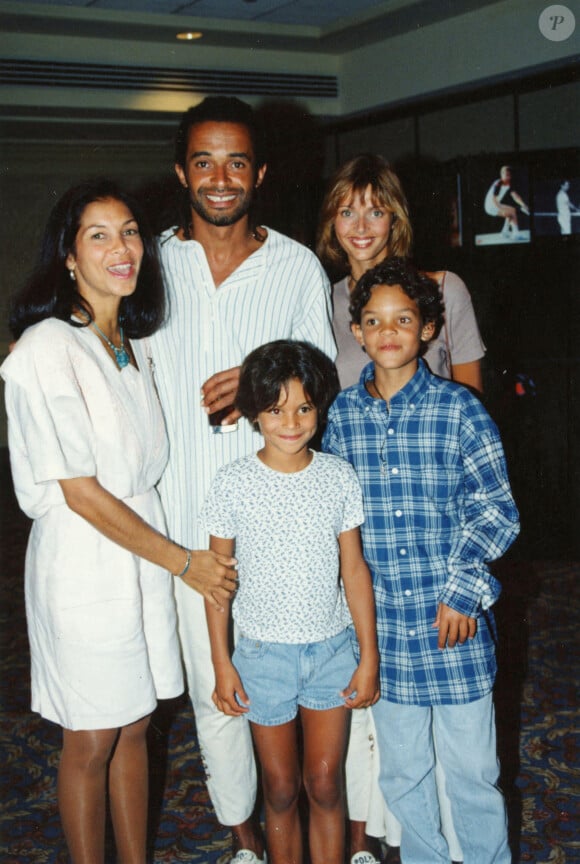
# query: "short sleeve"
{"type": "Point", "coordinates": [47, 413]}
{"type": "Point", "coordinates": [218, 512]}
{"type": "Point", "coordinates": [353, 512]}
{"type": "Point", "coordinates": [465, 342]}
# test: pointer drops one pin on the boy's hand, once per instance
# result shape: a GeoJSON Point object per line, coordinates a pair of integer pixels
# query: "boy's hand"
{"type": "Point", "coordinates": [228, 686]}
{"type": "Point", "coordinates": [453, 627]}
{"type": "Point", "coordinates": [363, 689]}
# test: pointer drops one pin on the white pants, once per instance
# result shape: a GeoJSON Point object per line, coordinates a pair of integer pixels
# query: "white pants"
{"type": "Point", "coordinates": [364, 798]}
{"type": "Point", "coordinates": [225, 742]}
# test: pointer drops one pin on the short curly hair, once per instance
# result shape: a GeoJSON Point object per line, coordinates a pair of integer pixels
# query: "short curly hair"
{"type": "Point", "coordinates": [416, 285]}
{"type": "Point", "coordinates": [221, 109]}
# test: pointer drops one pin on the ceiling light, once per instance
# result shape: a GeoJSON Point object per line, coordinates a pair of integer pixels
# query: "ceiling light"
{"type": "Point", "coordinates": [188, 37]}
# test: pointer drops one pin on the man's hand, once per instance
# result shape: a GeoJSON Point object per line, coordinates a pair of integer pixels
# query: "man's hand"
{"type": "Point", "coordinates": [219, 392]}
{"type": "Point", "coordinates": [453, 627]}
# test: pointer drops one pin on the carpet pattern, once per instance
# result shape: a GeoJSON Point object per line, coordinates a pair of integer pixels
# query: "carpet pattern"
{"type": "Point", "coordinates": [536, 713]}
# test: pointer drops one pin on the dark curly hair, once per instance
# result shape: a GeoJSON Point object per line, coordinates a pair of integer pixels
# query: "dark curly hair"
{"type": "Point", "coordinates": [221, 109]}
{"type": "Point", "coordinates": [267, 370]}
{"type": "Point", "coordinates": [416, 285]}
{"type": "Point", "coordinates": [50, 292]}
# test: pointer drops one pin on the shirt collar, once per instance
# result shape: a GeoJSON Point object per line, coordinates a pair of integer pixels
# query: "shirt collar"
{"type": "Point", "coordinates": [409, 394]}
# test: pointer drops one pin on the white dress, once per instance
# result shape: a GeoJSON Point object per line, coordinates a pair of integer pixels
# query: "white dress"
{"type": "Point", "coordinates": [101, 621]}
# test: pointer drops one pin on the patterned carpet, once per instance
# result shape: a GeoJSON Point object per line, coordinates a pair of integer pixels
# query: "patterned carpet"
{"type": "Point", "coordinates": [537, 729]}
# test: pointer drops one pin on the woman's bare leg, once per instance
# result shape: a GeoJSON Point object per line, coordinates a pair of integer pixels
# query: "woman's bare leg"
{"type": "Point", "coordinates": [278, 755]}
{"type": "Point", "coordinates": [325, 734]}
{"type": "Point", "coordinates": [128, 790]}
{"type": "Point", "coordinates": [81, 791]}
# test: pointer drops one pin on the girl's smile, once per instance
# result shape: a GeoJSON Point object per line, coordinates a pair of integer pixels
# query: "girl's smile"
{"type": "Point", "coordinates": [287, 427]}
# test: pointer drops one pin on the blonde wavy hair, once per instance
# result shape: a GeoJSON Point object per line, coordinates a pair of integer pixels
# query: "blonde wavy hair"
{"type": "Point", "coordinates": [355, 176]}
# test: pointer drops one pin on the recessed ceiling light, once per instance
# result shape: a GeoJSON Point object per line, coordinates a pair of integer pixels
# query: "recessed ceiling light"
{"type": "Point", "coordinates": [188, 37]}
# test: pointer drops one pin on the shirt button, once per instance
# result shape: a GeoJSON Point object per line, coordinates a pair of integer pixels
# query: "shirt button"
{"type": "Point", "coordinates": [407, 593]}
{"type": "Point", "coordinates": [412, 406]}
{"type": "Point", "coordinates": [403, 551]}
{"type": "Point", "coordinates": [390, 431]}
{"type": "Point", "coordinates": [398, 513]}
{"type": "Point", "coordinates": [412, 632]}
{"type": "Point", "coordinates": [395, 471]}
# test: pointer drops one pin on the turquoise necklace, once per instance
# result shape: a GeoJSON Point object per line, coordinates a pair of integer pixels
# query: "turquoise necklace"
{"type": "Point", "coordinates": [121, 356]}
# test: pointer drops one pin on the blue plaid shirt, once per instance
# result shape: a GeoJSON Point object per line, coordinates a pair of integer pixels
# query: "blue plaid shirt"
{"type": "Point", "coordinates": [438, 506]}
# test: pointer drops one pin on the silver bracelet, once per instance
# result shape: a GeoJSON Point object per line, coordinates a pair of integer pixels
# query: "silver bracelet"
{"type": "Point", "coordinates": [187, 563]}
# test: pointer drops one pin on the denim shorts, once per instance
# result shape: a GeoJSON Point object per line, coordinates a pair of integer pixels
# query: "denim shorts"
{"type": "Point", "coordinates": [278, 677]}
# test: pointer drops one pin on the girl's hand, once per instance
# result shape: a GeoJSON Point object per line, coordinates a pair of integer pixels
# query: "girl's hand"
{"type": "Point", "coordinates": [228, 686]}
{"type": "Point", "coordinates": [363, 689]}
{"type": "Point", "coordinates": [213, 576]}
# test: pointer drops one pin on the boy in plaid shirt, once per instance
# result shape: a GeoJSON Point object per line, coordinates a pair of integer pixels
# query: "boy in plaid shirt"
{"type": "Point", "coordinates": [438, 508]}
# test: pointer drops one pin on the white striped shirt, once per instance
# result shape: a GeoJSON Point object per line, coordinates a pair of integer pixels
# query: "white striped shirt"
{"type": "Point", "coordinates": [278, 292]}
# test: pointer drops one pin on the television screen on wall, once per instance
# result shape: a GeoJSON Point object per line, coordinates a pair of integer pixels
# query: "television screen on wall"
{"type": "Point", "coordinates": [556, 206]}
{"type": "Point", "coordinates": [501, 199]}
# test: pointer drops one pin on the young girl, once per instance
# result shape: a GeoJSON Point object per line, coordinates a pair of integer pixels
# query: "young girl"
{"type": "Point", "coordinates": [293, 515]}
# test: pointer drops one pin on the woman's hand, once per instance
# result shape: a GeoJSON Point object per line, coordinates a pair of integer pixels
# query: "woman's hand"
{"type": "Point", "coordinates": [213, 576]}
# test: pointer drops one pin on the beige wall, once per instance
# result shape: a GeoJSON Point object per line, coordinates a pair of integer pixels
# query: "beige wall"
{"type": "Point", "coordinates": [547, 119]}
{"type": "Point", "coordinates": [550, 117]}
{"type": "Point", "coordinates": [498, 40]}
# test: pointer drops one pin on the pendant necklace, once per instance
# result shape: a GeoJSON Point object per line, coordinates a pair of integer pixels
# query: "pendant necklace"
{"type": "Point", "coordinates": [122, 358]}
{"type": "Point", "coordinates": [379, 392]}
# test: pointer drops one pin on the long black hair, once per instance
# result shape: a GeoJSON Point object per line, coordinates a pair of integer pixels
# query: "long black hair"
{"type": "Point", "coordinates": [51, 293]}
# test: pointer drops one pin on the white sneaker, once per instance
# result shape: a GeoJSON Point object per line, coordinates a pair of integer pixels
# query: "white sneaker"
{"type": "Point", "coordinates": [246, 856]}
{"type": "Point", "coordinates": [363, 858]}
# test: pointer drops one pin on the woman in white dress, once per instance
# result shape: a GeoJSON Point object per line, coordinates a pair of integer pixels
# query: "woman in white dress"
{"type": "Point", "coordinates": [364, 220]}
{"type": "Point", "coordinates": [87, 446]}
